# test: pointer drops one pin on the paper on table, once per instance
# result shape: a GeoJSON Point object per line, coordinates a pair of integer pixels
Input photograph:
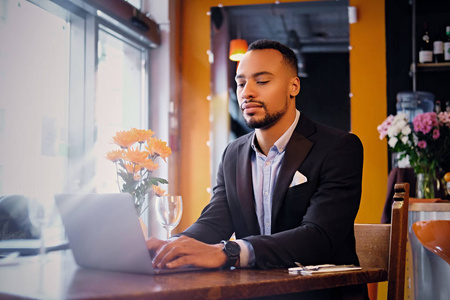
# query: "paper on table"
{"type": "Point", "coordinates": [309, 270]}
{"type": "Point", "coordinates": [31, 246]}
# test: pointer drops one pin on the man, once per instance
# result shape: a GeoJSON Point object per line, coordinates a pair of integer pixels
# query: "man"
{"type": "Point", "coordinates": [289, 191]}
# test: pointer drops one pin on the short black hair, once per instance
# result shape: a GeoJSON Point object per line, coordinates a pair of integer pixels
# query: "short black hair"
{"type": "Point", "coordinates": [288, 55]}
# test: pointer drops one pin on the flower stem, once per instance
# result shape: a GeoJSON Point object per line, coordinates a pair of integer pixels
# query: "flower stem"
{"type": "Point", "coordinates": [143, 209]}
{"type": "Point", "coordinates": [117, 175]}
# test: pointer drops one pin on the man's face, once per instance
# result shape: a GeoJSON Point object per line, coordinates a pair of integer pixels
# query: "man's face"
{"type": "Point", "coordinates": [265, 86]}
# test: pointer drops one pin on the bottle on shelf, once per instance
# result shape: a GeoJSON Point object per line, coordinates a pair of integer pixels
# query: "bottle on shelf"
{"type": "Point", "coordinates": [438, 47]}
{"type": "Point", "coordinates": [426, 48]}
{"type": "Point", "coordinates": [447, 45]}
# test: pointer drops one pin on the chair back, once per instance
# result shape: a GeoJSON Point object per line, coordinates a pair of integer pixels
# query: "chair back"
{"type": "Point", "coordinates": [384, 245]}
{"type": "Point", "coordinates": [14, 221]}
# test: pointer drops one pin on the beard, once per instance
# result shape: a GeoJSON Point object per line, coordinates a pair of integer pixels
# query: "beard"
{"type": "Point", "coordinates": [268, 120]}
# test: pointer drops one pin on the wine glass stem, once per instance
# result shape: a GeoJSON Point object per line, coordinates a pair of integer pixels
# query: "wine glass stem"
{"type": "Point", "coordinates": [42, 247]}
{"type": "Point", "coordinates": [168, 233]}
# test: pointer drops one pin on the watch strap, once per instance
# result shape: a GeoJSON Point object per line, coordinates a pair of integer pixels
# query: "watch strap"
{"type": "Point", "coordinates": [232, 258]}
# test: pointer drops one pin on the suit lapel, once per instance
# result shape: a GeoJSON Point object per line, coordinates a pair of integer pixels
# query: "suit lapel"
{"type": "Point", "coordinates": [297, 149]}
{"type": "Point", "coordinates": [244, 186]}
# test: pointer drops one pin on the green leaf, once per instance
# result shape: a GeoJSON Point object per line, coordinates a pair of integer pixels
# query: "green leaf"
{"type": "Point", "coordinates": [157, 180]}
{"type": "Point", "coordinates": [123, 175]}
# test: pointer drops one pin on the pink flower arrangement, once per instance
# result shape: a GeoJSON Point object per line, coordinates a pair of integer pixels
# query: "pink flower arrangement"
{"type": "Point", "coordinates": [425, 122]}
{"type": "Point", "coordinates": [427, 146]}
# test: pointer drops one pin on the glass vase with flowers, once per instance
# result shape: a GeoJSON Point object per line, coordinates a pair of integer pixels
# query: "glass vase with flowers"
{"type": "Point", "coordinates": [426, 146]}
{"type": "Point", "coordinates": [136, 160]}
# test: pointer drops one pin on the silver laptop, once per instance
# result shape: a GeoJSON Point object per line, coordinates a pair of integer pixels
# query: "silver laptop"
{"type": "Point", "coordinates": [104, 233]}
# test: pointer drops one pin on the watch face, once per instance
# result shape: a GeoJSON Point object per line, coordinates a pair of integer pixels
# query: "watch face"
{"type": "Point", "coordinates": [233, 248]}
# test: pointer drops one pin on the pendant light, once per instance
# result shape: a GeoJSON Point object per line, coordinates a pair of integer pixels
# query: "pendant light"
{"type": "Point", "coordinates": [238, 47]}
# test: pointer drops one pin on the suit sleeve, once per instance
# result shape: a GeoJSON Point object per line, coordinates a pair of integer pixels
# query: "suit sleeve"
{"type": "Point", "coordinates": [326, 231]}
{"type": "Point", "coordinates": [214, 223]}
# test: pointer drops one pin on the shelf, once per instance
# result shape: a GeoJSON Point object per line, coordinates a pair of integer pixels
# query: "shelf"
{"type": "Point", "coordinates": [433, 67]}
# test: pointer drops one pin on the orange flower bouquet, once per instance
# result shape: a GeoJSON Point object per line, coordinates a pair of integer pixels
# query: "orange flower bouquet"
{"type": "Point", "coordinates": [135, 163]}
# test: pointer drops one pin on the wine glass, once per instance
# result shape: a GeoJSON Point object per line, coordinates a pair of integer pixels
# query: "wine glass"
{"type": "Point", "coordinates": [42, 214]}
{"type": "Point", "coordinates": [168, 212]}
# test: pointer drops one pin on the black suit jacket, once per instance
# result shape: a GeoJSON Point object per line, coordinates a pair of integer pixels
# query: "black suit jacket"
{"type": "Point", "coordinates": [312, 223]}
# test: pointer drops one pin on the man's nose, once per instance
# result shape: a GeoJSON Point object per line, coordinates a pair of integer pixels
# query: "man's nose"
{"type": "Point", "coordinates": [248, 92]}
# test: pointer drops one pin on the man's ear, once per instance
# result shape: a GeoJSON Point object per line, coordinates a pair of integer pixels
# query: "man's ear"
{"type": "Point", "coordinates": [295, 86]}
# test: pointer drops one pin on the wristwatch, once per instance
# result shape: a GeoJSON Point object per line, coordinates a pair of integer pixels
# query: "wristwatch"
{"type": "Point", "coordinates": [232, 250]}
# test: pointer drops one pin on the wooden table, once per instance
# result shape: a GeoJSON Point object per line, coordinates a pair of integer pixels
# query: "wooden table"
{"type": "Point", "coordinates": [60, 278]}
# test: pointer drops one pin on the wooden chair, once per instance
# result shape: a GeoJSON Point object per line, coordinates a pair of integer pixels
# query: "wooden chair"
{"type": "Point", "coordinates": [384, 245]}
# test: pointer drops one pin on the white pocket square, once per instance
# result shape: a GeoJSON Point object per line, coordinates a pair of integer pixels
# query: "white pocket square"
{"type": "Point", "coordinates": [299, 178]}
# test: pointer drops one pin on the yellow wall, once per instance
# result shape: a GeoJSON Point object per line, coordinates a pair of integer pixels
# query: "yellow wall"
{"type": "Point", "coordinates": [368, 105]}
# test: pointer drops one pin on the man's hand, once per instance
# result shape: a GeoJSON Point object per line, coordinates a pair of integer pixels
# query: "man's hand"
{"type": "Point", "coordinates": [154, 245]}
{"type": "Point", "coordinates": [186, 251]}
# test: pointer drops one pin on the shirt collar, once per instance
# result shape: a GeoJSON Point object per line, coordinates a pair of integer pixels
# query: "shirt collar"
{"type": "Point", "coordinates": [281, 143]}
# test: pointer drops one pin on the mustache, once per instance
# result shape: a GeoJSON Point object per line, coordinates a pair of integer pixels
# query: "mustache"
{"type": "Point", "coordinates": [251, 101]}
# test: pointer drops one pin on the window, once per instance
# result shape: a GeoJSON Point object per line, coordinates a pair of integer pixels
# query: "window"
{"type": "Point", "coordinates": [68, 82]}
{"type": "Point", "coordinates": [121, 75]}
{"type": "Point", "coordinates": [34, 79]}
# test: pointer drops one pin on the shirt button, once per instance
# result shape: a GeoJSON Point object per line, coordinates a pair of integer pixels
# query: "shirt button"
{"type": "Point", "coordinates": [267, 162]}
{"type": "Point", "coordinates": [266, 194]}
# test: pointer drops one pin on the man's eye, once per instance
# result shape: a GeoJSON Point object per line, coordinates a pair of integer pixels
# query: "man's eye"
{"type": "Point", "coordinates": [240, 84]}
{"type": "Point", "coordinates": [262, 82]}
